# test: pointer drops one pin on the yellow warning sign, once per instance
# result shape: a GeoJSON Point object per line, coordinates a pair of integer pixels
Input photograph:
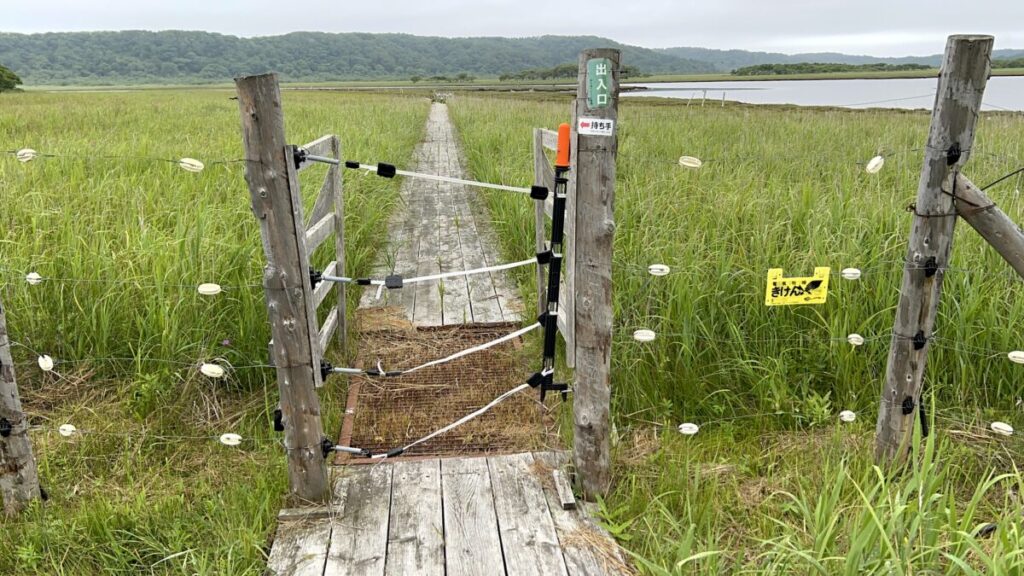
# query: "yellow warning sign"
{"type": "Point", "coordinates": [790, 291]}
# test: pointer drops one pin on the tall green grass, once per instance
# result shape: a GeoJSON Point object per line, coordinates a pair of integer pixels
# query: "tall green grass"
{"type": "Point", "coordinates": [125, 242]}
{"type": "Point", "coordinates": [783, 187]}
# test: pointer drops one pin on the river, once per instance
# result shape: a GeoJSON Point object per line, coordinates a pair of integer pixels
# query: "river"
{"type": "Point", "coordinates": [1002, 92]}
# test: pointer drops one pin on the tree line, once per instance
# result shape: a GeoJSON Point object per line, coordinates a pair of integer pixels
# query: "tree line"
{"type": "Point", "coordinates": [823, 68]}
{"type": "Point", "coordinates": [8, 80]}
{"type": "Point", "coordinates": [562, 71]}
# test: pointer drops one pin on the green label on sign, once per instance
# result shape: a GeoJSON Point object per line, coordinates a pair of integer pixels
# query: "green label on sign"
{"type": "Point", "coordinates": [599, 83]}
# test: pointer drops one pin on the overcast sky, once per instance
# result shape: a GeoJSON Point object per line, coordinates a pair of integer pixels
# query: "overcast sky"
{"type": "Point", "coordinates": [875, 27]}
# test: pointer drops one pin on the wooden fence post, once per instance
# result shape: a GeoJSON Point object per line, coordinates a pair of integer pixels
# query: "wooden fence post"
{"type": "Point", "coordinates": [334, 174]}
{"type": "Point", "coordinates": [965, 71]}
{"type": "Point", "coordinates": [19, 479]}
{"type": "Point", "coordinates": [273, 185]}
{"type": "Point", "coordinates": [978, 210]}
{"type": "Point", "coordinates": [591, 205]}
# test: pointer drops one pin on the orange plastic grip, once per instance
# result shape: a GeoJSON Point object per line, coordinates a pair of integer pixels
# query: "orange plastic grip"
{"type": "Point", "coordinates": [562, 159]}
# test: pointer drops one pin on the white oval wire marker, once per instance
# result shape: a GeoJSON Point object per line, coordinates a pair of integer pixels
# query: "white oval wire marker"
{"type": "Point", "coordinates": [1017, 356]}
{"type": "Point", "coordinates": [33, 278]}
{"type": "Point", "coordinates": [874, 165]}
{"type": "Point", "coordinates": [690, 162]}
{"type": "Point", "coordinates": [1002, 428]}
{"type": "Point", "coordinates": [688, 428]}
{"type": "Point", "coordinates": [191, 165]}
{"type": "Point", "coordinates": [209, 289]}
{"type": "Point", "coordinates": [212, 370]}
{"type": "Point", "coordinates": [855, 339]}
{"type": "Point", "coordinates": [45, 363]}
{"type": "Point", "coordinates": [850, 273]}
{"type": "Point", "coordinates": [847, 416]}
{"type": "Point", "coordinates": [644, 335]}
{"type": "Point", "coordinates": [230, 439]}
{"type": "Point", "coordinates": [26, 155]}
{"type": "Point", "coordinates": [67, 430]}
{"type": "Point", "coordinates": [658, 269]}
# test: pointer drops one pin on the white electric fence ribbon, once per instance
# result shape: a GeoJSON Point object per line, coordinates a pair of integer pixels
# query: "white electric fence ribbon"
{"type": "Point", "coordinates": [437, 178]}
{"type": "Point", "coordinates": [475, 349]}
{"type": "Point", "coordinates": [494, 268]}
{"type": "Point", "coordinates": [462, 420]}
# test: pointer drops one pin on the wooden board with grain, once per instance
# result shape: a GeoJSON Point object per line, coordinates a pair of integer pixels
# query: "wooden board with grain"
{"type": "Point", "coordinates": [416, 528]}
{"type": "Point", "coordinates": [359, 539]}
{"type": "Point", "coordinates": [472, 542]}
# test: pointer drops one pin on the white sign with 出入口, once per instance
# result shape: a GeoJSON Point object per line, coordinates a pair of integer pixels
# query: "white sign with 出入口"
{"type": "Point", "coordinates": [595, 127]}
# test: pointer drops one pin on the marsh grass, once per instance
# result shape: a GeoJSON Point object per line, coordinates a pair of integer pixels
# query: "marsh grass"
{"type": "Point", "coordinates": [773, 483]}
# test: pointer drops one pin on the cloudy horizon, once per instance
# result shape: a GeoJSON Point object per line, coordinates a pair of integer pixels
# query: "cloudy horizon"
{"type": "Point", "coordinates": [870, 27]}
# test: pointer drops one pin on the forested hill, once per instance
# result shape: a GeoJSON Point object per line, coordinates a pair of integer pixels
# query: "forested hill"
{"type": "Point", "coordinates": [184, 57]}
{"type": "Point", "coordinates": [728, 60]}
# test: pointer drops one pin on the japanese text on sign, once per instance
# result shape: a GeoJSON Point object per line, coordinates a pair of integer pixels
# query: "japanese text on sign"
{"type": "Point", "coordinates": [790, 291]}
{"type": "Point", "coordinates": [595, 127]}
{"type": "Point", "coordinates": [599, 81]}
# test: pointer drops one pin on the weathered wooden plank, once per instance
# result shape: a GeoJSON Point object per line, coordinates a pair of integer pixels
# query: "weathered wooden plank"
{"type": "Point", "coordinates": [549, 139]}
{"type": "Point", "coordinates": [324, 287]}
{"type": "Point", "coordinates": [300, 548]}
{"type": "Point", "coordinates": [591, 207]}
{"type": "Point", "coordinates": [542, 176]}
{"type": "Point", "coordinates": [310, 513]}
{"type": "Point", "coordinates": [965, 70]}
{"type": "Point", "coordinates": [319, 147]}
{"type": "Point", "coordinates": [359, 540]}
{"type": "Point", "coordinates": [19, 477]}
{"type": "Point", "coordinates": [324, 200]}
{"type": "Point", "coordinates": [565, 497]}
{"type": "Point", "coordinates": [528, 538]}
{"type": "Point", "coordinates": [586, 548]}
{"type": "Point", "coordinates": [455, 294]}
{"type": "Point", "coordinates": [416, 531]}
{"type": "Point", "coordinates": [274, 191]}
{"type": "Point", "coordinates": [1002, 233]}
{"type": "Point", "coordinates": [316, 235]}
{"type": "Point", "coordinates": [472, 542]}
{"type": "Point", "coordinates": [335, 183]}
{"type": "Point", "coordinates": [327, 330]}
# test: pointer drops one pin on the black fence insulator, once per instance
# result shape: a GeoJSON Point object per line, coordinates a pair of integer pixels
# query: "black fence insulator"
{"type": "Point", "coordinates": [539, 192]}
{"type": "Point", "coordinates": [561, 387]}
{"type": "Point", "coordinates": [315, 276]}
{"type": "Point", "coordinates": [386, 170]}
{"type": "Point", "coordinates": [544, 257]}
{"type": "Point", "coordinates": [300, 157]}
{"type": "Point", "coordinates": [953, 154]}
{"type": "Point", "coordinates": [326, 446]}
{"type": "Point", "coordinates": [536, 380]}
{"type": "Point", "coordinates": [43, 494]}
{"type": "Point", "coordinates": [278, 420]}
{"type": "Point", "coordinates": [908, 406]}
{"type": "Point", "coordinates": [363, 281]}
{"type": "Point", "coordinates": [919, 340]}
{"type": "Point", "coordinates": [542, 318]}
{"type": "Point", "coordinates": [931, 267]}
{"type": "Point", "coordinates": [326, 369]}
{"type": "Point", "coordinates": [924, 421]}
{"type": "Point", "coordinates": [395, 452]}
{"type": "Point", "coordinates": [5, 427]}
{"type": "Point", "coordinates": [393, 282]}
{"type": "Point", "coordinates": [354, 164]}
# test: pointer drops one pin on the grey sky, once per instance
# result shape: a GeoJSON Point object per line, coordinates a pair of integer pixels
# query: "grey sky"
{"type": "Point", "coordinates": [876, 27]}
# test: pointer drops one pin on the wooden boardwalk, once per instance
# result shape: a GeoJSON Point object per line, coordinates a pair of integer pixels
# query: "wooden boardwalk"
{"type": "Point", "coordinates": [499, 515]}
{"type": "Point", "coordinates": [441, 227]}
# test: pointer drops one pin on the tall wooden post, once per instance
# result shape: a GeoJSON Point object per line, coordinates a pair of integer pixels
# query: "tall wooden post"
{"type": "Point", "coordinates": [589, 256]}
{"type": "Point", "coordinates": [965, 71]}
{"type": "Point", "coordinates": [19, 479]}
{"type": "Point", "coordinates": [273, 185]}
{"type": "Point", "coordinates": [334, 174]}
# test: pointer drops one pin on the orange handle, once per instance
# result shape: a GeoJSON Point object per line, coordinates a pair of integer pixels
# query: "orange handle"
{"type": "Point", "coordinates": [562, 159]}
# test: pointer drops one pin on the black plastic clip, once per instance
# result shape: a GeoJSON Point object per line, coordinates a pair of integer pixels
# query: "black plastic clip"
{"type": "Point", "coordinates": [539, 192]}
{"type": "Point", "coordinates": [953, 154]}
{"type": "Point", "coordinates": [326, 446]}
{"type": "Point", "coordinates": [542, 318]}
{"type": "Point", "coordinates": [931, 266]}
{"type": "Point", "coordinates": [544, 257]}
{"type": "Point", "coordinates": [394, 281]}
{"type": "Point", "coordinates": [326, 369]}
{"type": "Point", "coordinates": [919, 340]}
{"type": "Point", "coordinates": [278, 420]}
{"type": "Point", "coordinates": [300, 157]}
{"type": "Point", "coordinates": [386, 170]}
{"type": "Point", "coordinates": [5, 427]}
{"type": "Point", "coordinates": [353, 164]}
{"type": "Point", "coordinates": [363, 281]}
{"type": "Point", "coordinates": [315, 276]}
{"type": "Point", "coordinates": [908, 406]}
{"type": "Point", "coordinates": [562, 388]}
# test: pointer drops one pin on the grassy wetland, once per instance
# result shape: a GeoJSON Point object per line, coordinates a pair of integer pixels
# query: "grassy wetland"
{"type": "Point", "coordinates": [122, 240]}
{"type": "Point", "coordinates": [774, 482]}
